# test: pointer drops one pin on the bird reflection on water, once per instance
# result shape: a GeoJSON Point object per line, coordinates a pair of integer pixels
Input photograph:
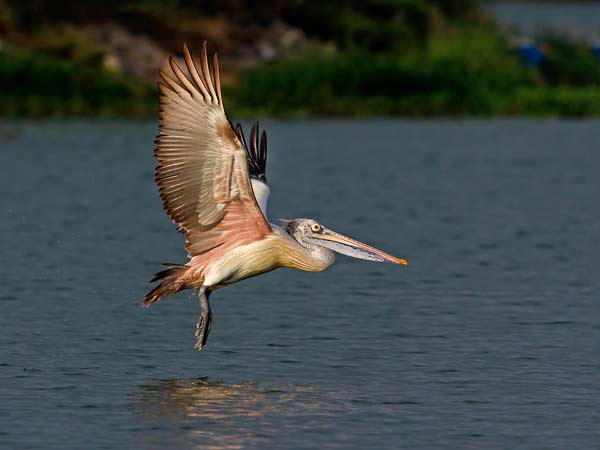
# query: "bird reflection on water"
{"type": "Point", "coordinates": [226, 416]}
{"type": "Point", "coordinates": [201, 398]}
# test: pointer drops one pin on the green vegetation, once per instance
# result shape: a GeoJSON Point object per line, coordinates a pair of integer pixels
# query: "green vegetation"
{"type": "Point", "coordinates": [468, 71]}
{"type": "Point", "coordinates": [35, 85]}
{"type": "Point", "coordinates": [568, 63]}
{"type": "Point", "coordinates": [355, 58]}
{"type": "Point", "coordinates": [379, 25]}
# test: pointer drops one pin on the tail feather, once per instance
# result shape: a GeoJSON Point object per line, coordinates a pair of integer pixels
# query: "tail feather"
{"type": "Point", "coordinates": [171, 283]}
{"type": "Point", "coordinates": [167, 273]}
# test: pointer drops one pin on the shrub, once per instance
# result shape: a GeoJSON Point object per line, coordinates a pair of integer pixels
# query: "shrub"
{"type": "Point", "coordinates": [461, 73]}
{"type": "Point", "coordinates": [569, 63]}
{"type": "Point", "coordinates": [37, 85]}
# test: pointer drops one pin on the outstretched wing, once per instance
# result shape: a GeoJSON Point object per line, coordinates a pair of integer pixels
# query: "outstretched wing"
{"type": "Point", "coordinates": [257, 163]}
{"type": "Point", "coordinates": [202, 171]}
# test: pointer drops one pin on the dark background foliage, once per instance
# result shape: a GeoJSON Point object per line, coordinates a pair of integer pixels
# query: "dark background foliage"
{"type": "Point", "coordinates": [298, 58]}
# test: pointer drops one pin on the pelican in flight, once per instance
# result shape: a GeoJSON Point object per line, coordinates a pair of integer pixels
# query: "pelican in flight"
{"type": "Point", "coordinates": [213, 186]}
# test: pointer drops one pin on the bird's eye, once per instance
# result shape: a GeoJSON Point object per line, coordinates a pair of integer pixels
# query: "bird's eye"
{"type": "Point", "coordinates": [315, 227]}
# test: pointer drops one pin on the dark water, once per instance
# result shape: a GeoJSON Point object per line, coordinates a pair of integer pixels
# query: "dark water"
{"type": "Point", "coordinates": [490, 338]}
{"type": "Point", "coordinates": [578, 19]}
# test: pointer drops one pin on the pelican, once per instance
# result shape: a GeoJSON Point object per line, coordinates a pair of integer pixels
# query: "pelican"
{"type": "Point", "coordinates": [213, 186]}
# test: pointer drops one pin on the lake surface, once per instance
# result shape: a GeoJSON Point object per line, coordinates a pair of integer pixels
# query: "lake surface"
{"type": "Point", "coordinates": [489, 339]}
{"type": "Point", "coordinates": [579, 19]}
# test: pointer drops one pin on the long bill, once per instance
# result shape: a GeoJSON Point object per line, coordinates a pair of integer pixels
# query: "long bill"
{"type": "Point", "coordinates": [347, 246]}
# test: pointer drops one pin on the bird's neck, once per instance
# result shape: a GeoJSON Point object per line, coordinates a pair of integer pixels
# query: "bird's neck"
{"type": "Point", "coordinates": [321, 255]}
{"type": "Point", "coordinates": [302, 256]}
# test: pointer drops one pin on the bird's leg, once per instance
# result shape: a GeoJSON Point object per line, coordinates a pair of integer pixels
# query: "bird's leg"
{"type": "Point", "coordinates": [204, 322]}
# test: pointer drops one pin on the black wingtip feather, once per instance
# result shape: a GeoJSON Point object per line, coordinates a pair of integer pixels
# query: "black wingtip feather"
{"type": "Point", "coordinates": [257, 154]}
{"type": "Point", "coordinates": [263, 147]}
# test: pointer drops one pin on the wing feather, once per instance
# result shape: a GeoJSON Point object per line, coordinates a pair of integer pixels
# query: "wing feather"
{"type": "Point", "coordinates": [202, 171]}
{"type": "Point", "coordinates": [189, 61]}
{"type": "Point", "coordinates": [217, 79]}
{"type": "Point", "coordinates": [257, 163]}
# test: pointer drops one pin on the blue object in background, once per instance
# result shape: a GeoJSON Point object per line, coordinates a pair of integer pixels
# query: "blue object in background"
{"type": "Point", "coordinates": [530, 54]}
{"type": "Point", "coordinates": [596, 50]}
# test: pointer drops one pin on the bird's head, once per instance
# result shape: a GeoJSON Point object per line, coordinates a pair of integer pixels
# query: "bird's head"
{"type": "Point", "coordinates": [310, 234]}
